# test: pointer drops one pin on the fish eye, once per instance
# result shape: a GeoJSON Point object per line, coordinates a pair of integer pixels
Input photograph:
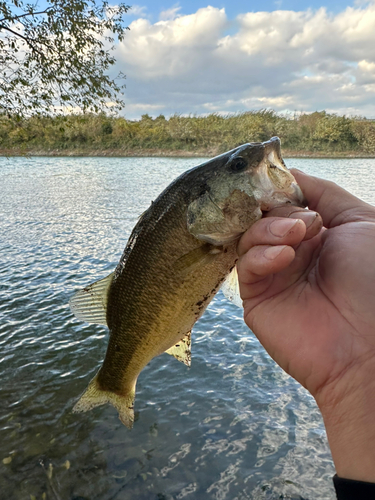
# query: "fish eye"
{"type": "Point", "coordinates": [238, 164]}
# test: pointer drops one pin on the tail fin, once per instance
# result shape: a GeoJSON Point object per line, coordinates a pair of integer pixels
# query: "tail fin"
{"type": "Point", "coordinates": [94, 396]}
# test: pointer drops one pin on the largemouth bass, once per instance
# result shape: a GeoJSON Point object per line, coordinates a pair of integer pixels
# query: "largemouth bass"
{"type": "Point", "coordinates": [177, 257]}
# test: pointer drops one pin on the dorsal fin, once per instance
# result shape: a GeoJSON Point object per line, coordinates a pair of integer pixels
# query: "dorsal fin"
{"type": "Point", "coordinates": [182, 350]}
{"type": "Point", "coordinates": [90, 303]}
{"type": "Point", "coordinates": [231, 288]}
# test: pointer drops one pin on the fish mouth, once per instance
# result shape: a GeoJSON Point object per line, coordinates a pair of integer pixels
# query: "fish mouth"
{"type": "Point", "coordinates": [294, 198]}
{"type": "Point", "coordinates": [265, 207]}
{"type": "Point", "coordinates": [276, 185]}
{"type": "Point", "coordinates": [297, 198]}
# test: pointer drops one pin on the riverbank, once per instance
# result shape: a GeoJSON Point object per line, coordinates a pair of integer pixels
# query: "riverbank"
{"type": "Point", "coordinates": [318, 135]}
{"type": "Point", "coordinates": [178, 153]}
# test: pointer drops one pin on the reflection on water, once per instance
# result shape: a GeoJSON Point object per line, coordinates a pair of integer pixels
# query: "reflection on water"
{"type": "Point", "coordinates": [234, 426]}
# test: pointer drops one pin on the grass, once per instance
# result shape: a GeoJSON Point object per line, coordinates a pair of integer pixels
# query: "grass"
{"type": "Point", "coordinates": [315, 134]}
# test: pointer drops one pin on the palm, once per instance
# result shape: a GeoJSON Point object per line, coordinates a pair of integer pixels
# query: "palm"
{"type": "Point", "coordinates": [314, 317]}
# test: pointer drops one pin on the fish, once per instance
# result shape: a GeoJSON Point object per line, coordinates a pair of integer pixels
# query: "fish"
{"type": "Point", "coordinates": [179, 253]}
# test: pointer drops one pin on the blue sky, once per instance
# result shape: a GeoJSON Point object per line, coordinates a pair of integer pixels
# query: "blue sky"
{"type": "Point", "coordinates": [234, 8]}
{"type": "Point", "coordinates": [224, 57]}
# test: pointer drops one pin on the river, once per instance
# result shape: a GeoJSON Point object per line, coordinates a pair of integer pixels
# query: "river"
{"type": "Point", "coordinates": [234, 426]}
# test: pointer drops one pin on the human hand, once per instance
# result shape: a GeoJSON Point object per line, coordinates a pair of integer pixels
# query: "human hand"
{"type": "Point", "coordinates": [309, 296]}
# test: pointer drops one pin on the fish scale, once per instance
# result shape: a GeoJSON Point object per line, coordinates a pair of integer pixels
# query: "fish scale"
{"type": "Point", "coordinates": [179, 253]}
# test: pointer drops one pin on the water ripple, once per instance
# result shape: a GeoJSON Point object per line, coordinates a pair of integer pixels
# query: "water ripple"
{"type": "Point", "coordinates": [233, 426]}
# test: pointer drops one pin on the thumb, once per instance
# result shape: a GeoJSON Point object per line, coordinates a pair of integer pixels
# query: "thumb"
{"type": "Point", "coordinates": [335, 204]}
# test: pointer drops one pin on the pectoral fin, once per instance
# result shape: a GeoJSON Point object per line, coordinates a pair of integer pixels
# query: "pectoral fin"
{"type": "Point", "coordinates": [90, 304]}
{"type": "Point", "coordinates": [182, 350]}
{"type": "Point", "coordinates": [200, 256]}
{"type": "Point", "coordinates": [231, 288]}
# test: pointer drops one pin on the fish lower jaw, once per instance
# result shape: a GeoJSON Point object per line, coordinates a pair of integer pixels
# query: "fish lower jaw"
{"type": "Point", "coordinates": [274, 202]}
{"type": "Point", "coordinates": [266, 207]}
{"type": "Point", "coordinates": [220, 239]}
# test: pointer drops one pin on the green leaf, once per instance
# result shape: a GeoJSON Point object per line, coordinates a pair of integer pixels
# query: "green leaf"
{"type": "Point", "coordinates": [65, 62]}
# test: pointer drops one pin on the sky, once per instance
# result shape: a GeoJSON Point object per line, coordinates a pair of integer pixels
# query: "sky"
{"type": "Point", "coordinates": [193, 57]}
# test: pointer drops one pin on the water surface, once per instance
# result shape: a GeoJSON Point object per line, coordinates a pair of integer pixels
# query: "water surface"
{"type": "Point", "coordinates": [233, 426]}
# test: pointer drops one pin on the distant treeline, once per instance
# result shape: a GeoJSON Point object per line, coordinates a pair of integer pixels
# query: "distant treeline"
{"type": "Point", "coordinates": [317, 133]}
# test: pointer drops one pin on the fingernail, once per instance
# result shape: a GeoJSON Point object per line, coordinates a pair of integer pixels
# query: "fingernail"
{"type": "Point", "coordinates": [307, 217]}
{"type": "Point", "coordinates": [282, 227]}
{"type": "Point", "coordinates": [271, 253]}
{"type": "Point", "coordinates": [297, 170]}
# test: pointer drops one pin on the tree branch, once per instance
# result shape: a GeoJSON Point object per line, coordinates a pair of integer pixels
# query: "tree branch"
{"type": "Point", "coordinates": [32, 47]}
{"type": "Point", "coordinates": [58, 56]}
{"type": "Point", "coordinates": [16, 18]}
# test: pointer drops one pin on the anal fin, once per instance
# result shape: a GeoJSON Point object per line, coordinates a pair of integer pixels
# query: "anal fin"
{"type": "Point", "coordinates": [182, 350]}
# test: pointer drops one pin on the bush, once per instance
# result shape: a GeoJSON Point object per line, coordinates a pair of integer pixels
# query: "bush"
{"type": "Point", "coordinates": [211, 134]}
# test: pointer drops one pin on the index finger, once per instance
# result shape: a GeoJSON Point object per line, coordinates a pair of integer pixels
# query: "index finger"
{"type": "Point", "coordinates": [335, 204]}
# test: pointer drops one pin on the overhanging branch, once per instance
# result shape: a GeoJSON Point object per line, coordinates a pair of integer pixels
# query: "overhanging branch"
{"type": "Point", "coordinates": [15, 18]}
{"type": "Point", "coordinates": [32, 47]}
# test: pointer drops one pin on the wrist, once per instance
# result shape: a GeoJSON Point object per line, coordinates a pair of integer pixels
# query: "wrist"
{"type": "Point", "coordinates": [348, 409]}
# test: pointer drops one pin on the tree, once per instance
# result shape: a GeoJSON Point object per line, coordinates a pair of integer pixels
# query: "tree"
{"type": "Point", "coordinates": [59, 55]}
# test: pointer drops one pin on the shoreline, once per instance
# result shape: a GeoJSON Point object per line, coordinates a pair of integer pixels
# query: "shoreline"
{"type": "Point", "coordinates": [160, 153]}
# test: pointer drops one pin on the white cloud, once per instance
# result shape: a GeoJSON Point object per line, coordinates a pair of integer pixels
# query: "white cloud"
{"type": "Point", "coordinates": [169, 14]}
{"type": "Point", "coordinates": [368, 67]}
{"type": "Point", "coordinates": [137, 10]}
{"type": "Point", "coordinates": [303, 61]}
{"type": "Point", "coordinates": [171, 47]}
{"type": "Point", "coordinates": [362, 3]}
